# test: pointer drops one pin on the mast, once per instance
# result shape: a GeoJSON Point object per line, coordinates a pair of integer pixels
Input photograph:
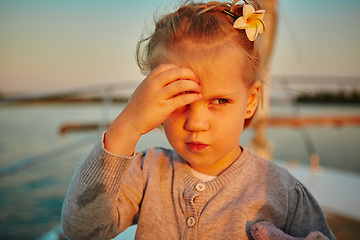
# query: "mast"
{"type": "Point", "coordinates": [259, 143]}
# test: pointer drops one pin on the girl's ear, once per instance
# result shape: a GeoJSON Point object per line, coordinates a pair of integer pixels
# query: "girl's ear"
{"type": "Point", "coordinates": [253, 99]}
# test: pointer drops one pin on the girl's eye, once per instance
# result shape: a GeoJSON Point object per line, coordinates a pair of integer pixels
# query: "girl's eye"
{"type": "Point", "coordinates": [220, 101]}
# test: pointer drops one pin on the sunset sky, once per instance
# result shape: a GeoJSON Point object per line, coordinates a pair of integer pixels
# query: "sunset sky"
{"type": "Point", "coordinates": [58, 45]}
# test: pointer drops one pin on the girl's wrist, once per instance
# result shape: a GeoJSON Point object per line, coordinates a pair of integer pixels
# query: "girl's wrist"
{"type": "Point", "coordinates": [121, 138]}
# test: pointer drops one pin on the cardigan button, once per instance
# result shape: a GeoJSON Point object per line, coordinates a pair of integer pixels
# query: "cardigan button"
{"type": "Point", "coordinates": [200, 187]}
{"type": "Point", "coordinates": [190, 221]}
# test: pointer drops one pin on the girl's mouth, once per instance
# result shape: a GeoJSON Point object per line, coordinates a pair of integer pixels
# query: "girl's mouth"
{"type": "Point", "coordinates": [196, 146]}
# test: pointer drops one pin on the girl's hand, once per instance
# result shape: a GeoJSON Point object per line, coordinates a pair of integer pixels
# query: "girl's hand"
{"type": "Point", "coordinates": [167, 88]}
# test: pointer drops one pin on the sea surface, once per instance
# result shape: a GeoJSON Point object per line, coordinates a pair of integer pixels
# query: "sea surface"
{"type": "Point", "coordinates": [37, 162]}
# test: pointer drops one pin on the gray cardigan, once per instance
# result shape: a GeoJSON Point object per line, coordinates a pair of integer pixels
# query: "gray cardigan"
{"type": "Point", "coordinates": [156, 190]}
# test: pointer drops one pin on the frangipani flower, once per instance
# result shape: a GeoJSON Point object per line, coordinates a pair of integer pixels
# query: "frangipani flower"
{"type": "Point", "coordinates": [251, 21]}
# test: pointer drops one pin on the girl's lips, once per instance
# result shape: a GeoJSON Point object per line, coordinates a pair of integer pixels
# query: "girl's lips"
{"type": "Point", "coordinates": [196, 146]}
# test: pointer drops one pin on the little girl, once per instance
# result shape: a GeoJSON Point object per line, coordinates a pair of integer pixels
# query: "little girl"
{"type": "Point", "coordinates": [202, 67]}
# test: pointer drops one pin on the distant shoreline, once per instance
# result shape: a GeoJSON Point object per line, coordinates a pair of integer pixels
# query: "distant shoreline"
{"type": "Point", "coordinates": [327, 97]}
{"type": "Point", "coordinates": [71, 100]}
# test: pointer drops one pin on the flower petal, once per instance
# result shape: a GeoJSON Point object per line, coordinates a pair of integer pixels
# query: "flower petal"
{"type": "Point", "coordinates": [251, 33]}
{"type": "Point", "coordinates": [248, 10]}
{"type": "Point", "coordinates": [259, 14]}
{"type": "Point", "coordinates": [261, 26]}
{"type": "Point", "coordinates": [240, 23]}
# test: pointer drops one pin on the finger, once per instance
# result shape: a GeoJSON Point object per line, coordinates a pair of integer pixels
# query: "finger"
{"type": "Point", "coordinates": [184, 99]}
{"type": "Point", "coordinates": [316, 236]}
{"type": "Point", "coordinates": [150, 83]}
{"type": "Point", "coordinates": [181, 86]}
{"type": "Point", "coordinates": [267, 231]}
{"type": "Point", "coordinates": [160, 69]}
{"type": "Point", "coordinates": [174, 74]}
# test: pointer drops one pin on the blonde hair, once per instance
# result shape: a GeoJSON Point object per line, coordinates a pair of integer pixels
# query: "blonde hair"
{"type": "Point", "coordinates": [205, 25]}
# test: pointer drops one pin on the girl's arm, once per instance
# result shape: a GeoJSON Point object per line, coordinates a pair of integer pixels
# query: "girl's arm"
{"type": "Point", "coordinates": [90, 209]}
{"type": "Point", "coordinates": [306, 220]}
{"type": "Point", "coordinates": [305, 214]}
{"type": "Point", "coordinates": [99, 204]}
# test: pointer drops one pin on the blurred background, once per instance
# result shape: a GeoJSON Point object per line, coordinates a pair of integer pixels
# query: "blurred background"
{"type": "Point", "coordinates": [68, 67]}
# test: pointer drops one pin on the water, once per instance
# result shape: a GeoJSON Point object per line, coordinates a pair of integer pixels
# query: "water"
{"type": "Point", "coordinates": [31, 198]}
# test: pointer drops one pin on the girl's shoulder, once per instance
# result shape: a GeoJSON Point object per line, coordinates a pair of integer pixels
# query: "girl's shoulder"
{"type": "Point", "coordinates": [279, 182]}
{"type": "Point", "coordinates": [271, 172]}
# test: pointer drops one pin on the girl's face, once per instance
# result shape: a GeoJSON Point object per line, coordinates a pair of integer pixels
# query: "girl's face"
{"type": "Point", "coordinates": [206, 133]}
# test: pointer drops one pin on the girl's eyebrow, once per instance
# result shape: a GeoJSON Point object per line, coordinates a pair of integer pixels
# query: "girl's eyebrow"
{"type": "Point", "coordinates": [219, 96]}
{"type": "Point", "coordinates": [228, 94]}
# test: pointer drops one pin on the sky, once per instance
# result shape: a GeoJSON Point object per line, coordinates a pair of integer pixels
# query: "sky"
{"type": "Point", "coordinates": [59, 45]}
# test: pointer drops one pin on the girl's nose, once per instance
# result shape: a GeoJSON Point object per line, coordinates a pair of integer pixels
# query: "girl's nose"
{"type": "Point", "coordinates": [196, 119]}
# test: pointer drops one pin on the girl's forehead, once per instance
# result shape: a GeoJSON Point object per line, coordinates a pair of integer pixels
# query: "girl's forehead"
{"type": "Point", "coordinates": [225, 61]}
{"type": "Point", "coordinates": [219, 75]}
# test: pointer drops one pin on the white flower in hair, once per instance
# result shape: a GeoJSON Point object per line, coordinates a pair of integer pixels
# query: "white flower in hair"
{"type": "Point", "coordinates": [251, 21]}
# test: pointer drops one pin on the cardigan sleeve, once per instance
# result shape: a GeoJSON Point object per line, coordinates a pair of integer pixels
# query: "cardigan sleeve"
{"type": "Point", "coordinates": [305, 215]}
{"type": "Point", "coordinates": [95, 206]}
